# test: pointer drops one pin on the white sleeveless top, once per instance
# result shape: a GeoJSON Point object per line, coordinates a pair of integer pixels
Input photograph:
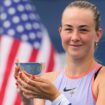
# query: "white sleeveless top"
{"type": "Point", "coordinates": [77, 90]}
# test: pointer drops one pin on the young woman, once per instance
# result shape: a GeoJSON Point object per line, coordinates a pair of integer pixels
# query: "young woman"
{"type": "Point", "coordinates": [81, 82]}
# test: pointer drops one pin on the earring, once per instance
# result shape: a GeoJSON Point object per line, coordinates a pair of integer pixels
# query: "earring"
{"type": "Point", "coordinates": [96, 44]}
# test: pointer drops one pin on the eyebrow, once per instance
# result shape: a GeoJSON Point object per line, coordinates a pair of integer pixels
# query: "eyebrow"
{"type": "Point", "coordinates": [67, 25]}
{"type": "Point", "coordinates": [81, 26]}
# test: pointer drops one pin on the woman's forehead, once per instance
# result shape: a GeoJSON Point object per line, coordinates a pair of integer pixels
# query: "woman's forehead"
{"type": "Point", "coordinates": [76, 11]}
{"type": "Point", "coordinates": [78, 16]}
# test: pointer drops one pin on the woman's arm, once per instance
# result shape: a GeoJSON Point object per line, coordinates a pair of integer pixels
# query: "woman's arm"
{"type": "Point", "coordinates": [39, 102]}
{"type": "Point", "coordinates": [101, 87]}
{"type": "Point", "coordinates": [26, 101]}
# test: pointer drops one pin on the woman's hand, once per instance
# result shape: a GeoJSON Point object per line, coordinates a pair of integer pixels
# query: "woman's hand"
{"type": "Point", "coordinates": [25, 100]}
{"type": "Point", "coordinates": [36, 87]}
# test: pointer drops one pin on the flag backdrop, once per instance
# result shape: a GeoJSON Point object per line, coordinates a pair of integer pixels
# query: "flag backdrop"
{"type": "Point", "coordinates": [22, 36]}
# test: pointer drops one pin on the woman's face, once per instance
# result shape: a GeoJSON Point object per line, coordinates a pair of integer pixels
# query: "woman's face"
{"type": "Point", "coordinates": [78, 32]}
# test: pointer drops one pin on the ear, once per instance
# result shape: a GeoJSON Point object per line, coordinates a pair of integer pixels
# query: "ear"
{"type": "Point", "coordinates": [59, 30]}
{"type": "Point", "coordinates": [99, 35]}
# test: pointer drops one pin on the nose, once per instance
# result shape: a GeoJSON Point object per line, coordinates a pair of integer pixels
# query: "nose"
{"type": "Point", "coordinates": [75, 36]}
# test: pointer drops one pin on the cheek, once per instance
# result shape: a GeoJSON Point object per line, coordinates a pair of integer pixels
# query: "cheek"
{"type": "Point", "coordinates": [64, 41]}
{"type": "Point", "coordinates": [64, 38]}
{"type": "Point", "coordinates": [89, 40]}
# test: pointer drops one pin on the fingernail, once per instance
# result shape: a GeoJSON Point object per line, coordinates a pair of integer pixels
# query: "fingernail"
{"type": "Point", "coordinates": [33, 76]}
{"type": "Point", "coordinates": [16, 78]}
{"type": "Point", "coordinates": [16, 84]}
{"type": "Point", "coordinates": [17, 68]}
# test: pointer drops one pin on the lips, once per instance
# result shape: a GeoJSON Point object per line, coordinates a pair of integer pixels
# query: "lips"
{"type": "Point", "coordinates": [75, 45]}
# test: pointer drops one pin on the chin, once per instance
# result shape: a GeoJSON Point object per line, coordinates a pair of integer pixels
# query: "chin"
{"type": "Point", "coordinates": [75, 55]}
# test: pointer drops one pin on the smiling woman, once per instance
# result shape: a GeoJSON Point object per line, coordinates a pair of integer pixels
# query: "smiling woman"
{"type": "Point", "coordinates": [79, 32]}
{"type": "Point", "coordinates": [81, 81]}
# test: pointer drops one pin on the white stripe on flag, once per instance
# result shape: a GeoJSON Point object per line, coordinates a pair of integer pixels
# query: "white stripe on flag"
{"type": "Point", "coordinates": [11, 90]}
{"type": "Point", "coordinates": [6, 43]}
{"type": "Point", "coordinates": [24, 52]}
{"type": "Point", "coordinates": [44, 52]}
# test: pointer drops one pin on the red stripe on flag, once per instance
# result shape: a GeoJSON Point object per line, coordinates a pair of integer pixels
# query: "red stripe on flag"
{"type": "Point", "coordinates": [33, 55]}
{"type": "Point", "coordinates": [51, 60]}
{"type": "Point", "coordinates": [17, 100]}
{"type": "Point", "coordinates": [9, 65]}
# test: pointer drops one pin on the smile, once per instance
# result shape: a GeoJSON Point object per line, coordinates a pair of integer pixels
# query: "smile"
{"type": "Point", "coordinates": [75, 45]}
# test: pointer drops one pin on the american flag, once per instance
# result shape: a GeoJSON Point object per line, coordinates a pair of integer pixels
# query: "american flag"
{"type": "Point", "coordinates": [23, 36]}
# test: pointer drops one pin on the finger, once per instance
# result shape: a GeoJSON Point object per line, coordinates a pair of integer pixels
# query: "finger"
{"type": "Point", "coordinates": [17, 69]}
{"type": "Point", "coordinates": [27, 74]}
{"type": "Point", "coordinates": [27, 92]}
{"type": "Point", "coordinates": [21, 80]}
{"type": "Point", "coordinates": [25, 82]}
{"type": "Point", "coordinates": [30, 84]}
{"type": "Point", "coordinates": [40, 79]}
{"type": "Point", "coordinates": [22, 89]}
{"type": "Point", "coordinates": [32, 87]}
{"type": "Point", "coordinates": [34, 81]}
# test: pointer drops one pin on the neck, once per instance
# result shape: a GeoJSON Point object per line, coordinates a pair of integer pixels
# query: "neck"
{"type": "Point", "coordinates": [77, 67]}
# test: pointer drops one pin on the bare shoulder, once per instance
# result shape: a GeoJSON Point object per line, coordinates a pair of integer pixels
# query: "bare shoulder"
{"type": "Point", "coordinates": [50, 75]}
{"type": "Point", "coordinates": [101, 74]}
{"type": "Point", "coordinates": [101, 87]}
{"type": "Point", "coordinates": [101, 77]}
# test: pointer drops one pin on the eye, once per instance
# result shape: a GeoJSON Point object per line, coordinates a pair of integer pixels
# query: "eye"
{"type": "Point", "coordinates": [68, 29]}
{"type": "Point", "coordinates": [83, 30]}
